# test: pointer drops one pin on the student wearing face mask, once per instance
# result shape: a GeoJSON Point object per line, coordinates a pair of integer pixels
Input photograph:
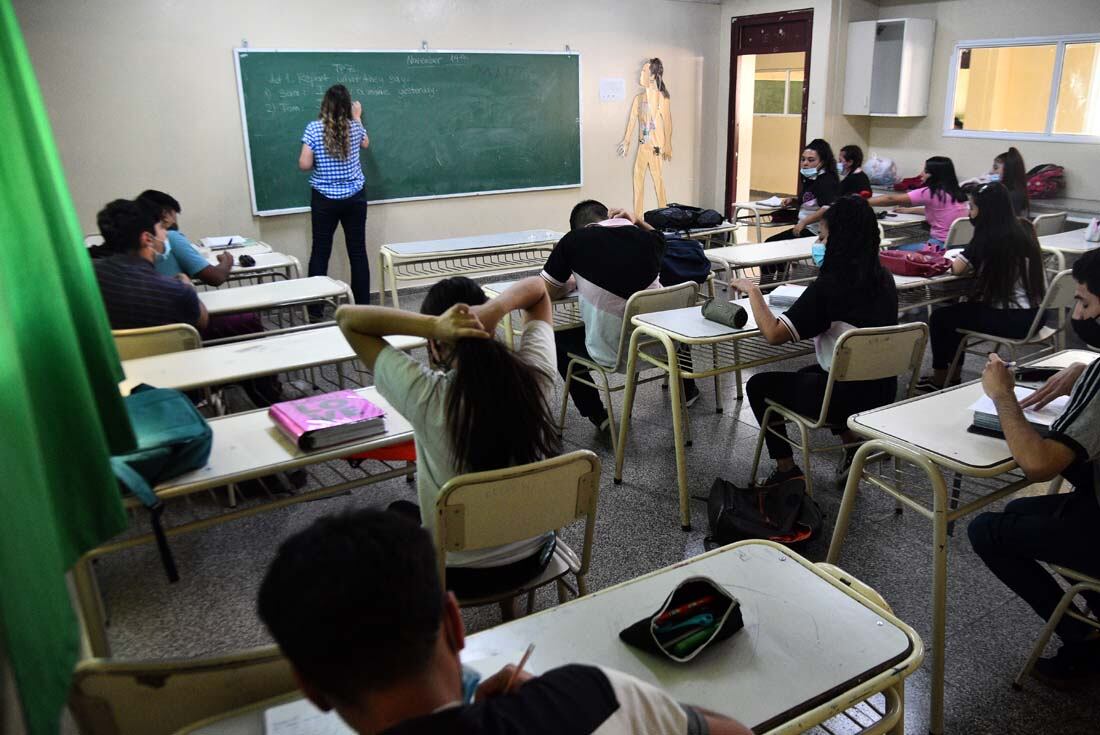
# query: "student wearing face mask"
{"type": "Point", "coordinates": [853, 290]}
{"type": "Point", "coordinates": [818, 187]}
{"type": "Point", "coordinates": [1052, 529]}
{"type": "Point", "coordinates": [133, 292]}
{"type": "Point", "coordinates": [1008, 282]}
{"type": "Point", "coordinates": [852, 178]}
{"type": "Point", "coordinates": [940, 200]}
{"type": "Point", "coordinates": [1009, 170]}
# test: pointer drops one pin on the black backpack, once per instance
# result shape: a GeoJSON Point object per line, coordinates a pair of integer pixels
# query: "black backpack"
{"type": "Point", "coordinates": [684, 260]}
{"type": "Point", "coordinates": [783, 513]}
{"type": "Point", "coordinates": [682, 217]}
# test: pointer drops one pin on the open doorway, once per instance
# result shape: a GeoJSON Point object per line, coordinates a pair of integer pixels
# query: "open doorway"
{"type": "Point", "coordinates": [769, 70]}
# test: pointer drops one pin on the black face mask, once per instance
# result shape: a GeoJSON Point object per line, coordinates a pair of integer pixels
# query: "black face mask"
{"type": "Point", "coordinates": [1088, 330]}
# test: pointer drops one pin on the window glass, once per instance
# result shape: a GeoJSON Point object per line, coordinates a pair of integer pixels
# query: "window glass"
{"type": "Point", "coordinates": [768, 92]}
{"type": "Point", "coordinates": [794, 92]}
{"type": "Point", "coordinates": [1078, 110]}
{"type": "Point", "coordinates": [1004, 89]}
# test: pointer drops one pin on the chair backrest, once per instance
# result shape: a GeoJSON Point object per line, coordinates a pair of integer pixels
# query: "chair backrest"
{"type": "Point", "coordinates": [874, 353]}
{"type": "Point", "coordinates": [961, 233]}
{"type": "Point", "coordinates": [91, 241]}
{"type": "Point", "coordinates": [147, 341]}
{"type": "Point", "coordinates": [1061, 292]}
{"type": "Point", "coordinates": [1049, 224]}
{"type": "Point", "coordinates": [485, 509]}
{"type": "Point", "coordinates": [160, 697]}
{"type": "Point", "coordinates": [679, 296]}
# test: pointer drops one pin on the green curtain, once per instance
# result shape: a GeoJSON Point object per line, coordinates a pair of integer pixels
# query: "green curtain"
{"type": "Point", "coordinates": [60, 409]}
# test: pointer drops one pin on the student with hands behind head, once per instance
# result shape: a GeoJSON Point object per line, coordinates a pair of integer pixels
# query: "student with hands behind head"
{"type": "Point", "coordinates": [1053, 529]}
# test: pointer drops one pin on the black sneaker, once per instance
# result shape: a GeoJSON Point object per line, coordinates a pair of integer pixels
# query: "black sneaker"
{"type": "Point", "coordinates": [691, 394]}
{"type": "Point", "coordinates": [926, 385]}
{"type": "Point", "coordinates": [601, 422]}
{"type": "Point", "coordinates": [1073, 663]}
{"type": "Point", "coordinates": [844, 465]}
{"type": "Point", "coordinates": [778, 477]}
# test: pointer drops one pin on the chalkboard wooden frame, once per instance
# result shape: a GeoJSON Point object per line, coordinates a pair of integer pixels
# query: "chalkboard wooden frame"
{"type": "Point", "coordinates": [296, 210]}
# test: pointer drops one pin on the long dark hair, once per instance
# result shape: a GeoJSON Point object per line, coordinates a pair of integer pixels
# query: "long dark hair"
{"type": "Point", "coordinates": [336, 118]}
{"type": "Point", "coordinates": [657, 70]}
{"type": "Point", "coordinates": [824, 151]}
{"type": "Point", "coordinates": [1013, 172]}
{"type": "Point", "coordinates": [1011, 250]}
{"type": "Point", "coordinates": [497, 413]}
{"type": "Point", "coordinates": [942, 182]}
{"type": "Point", "coordinates": [853, 245]}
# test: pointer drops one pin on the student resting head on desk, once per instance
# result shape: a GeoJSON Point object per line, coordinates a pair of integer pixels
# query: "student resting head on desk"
{"type": "Point", "coordinates": [479, 406]}
{"type": "Point", "coordinates": [354, 602]}
{"type": "Point", "coordinates": [853, 290]}
{"type": "Point", "coordinates": [940, 200]}
{"type": "Point", "coordinates": [1008, 284]}
{"type": "Point", "coordinates": [1053, 529]}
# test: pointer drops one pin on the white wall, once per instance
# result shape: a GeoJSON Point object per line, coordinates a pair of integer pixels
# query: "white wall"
{"type": "Point", "coordinates": [143, 95]}
{"type": "Point", "coordinates": [910, 140]}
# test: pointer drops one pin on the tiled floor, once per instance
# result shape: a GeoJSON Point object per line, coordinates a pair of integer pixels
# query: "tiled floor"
{"type": "Point", "coordinates": [989, 630]}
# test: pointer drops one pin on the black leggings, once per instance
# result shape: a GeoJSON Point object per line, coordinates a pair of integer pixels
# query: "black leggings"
{"type": "Point", "coordinates": [351, 214]}
{"type": "Point", "coordinates": [803, 392]}
{"type": "Point", "coordinates": [1012, 323]}
{"type": "Point", "coordinates": [771, 270]}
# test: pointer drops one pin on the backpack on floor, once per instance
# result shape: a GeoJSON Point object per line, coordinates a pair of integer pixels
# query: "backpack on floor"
{"type": "Point", "coordinates": [172, 438]}
{"type": "Point", "coordinates": [784, 513]}
{"type": "Point", "coordinates": [684, 260]}
{"type": "Point", "coordinates": [1045, 181]}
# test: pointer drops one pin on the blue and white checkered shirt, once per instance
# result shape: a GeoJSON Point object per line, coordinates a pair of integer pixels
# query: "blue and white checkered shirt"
{"type": "Point", "coordinates": [332, 177]}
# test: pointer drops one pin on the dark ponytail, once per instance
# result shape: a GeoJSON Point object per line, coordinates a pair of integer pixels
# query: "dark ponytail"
{"type": "Point", "coordinates": [497, 412]}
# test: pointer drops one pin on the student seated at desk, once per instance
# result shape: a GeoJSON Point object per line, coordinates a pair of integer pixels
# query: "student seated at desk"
{"type": "Point", "coordinates": [852, 178]}
{"type": "Point", "coordinates": [355, 603]}
{"type": "Point", "coordinates": [610, 255]}
{"type": "Point", "coordinates": [1009, 283]}
{"type": "Point", "coordinates": [480, 406]}
{"type": "Point", "coordinates": [1009, 169]}
{"type": "Point", "coordinates": [182, 257]}
{"type": "Point", "coordinates": [818, 187]}
{"type": "Point", "coordinates": [1054, 529]}
{"type": "Point", "coordinates": [134, 293]}
{"type": "Point", "coordinates": [940, 200]}
{"type": "Point", "coordinates": [853, 290]}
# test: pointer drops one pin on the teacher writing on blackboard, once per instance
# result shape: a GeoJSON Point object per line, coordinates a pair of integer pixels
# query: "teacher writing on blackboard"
{"type": "Point", "coordinates": [330, 149]}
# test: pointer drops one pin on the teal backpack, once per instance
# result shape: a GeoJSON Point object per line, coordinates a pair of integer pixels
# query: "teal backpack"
{"type": "Point", "coordinates": [172, 438]}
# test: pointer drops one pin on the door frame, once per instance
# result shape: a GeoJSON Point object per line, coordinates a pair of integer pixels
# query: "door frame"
{"type": "Point", "coordinates": [738, 24]}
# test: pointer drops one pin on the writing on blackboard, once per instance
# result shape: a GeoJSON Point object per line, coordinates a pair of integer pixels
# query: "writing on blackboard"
{"type": "Point", "coordinates": [423, 60]}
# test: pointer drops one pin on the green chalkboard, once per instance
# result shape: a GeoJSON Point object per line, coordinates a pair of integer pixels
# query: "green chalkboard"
{"type": "Point", "coordinates": [440, 123]}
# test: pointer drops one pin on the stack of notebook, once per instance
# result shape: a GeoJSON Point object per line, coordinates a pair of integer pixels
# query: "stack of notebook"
{"type": "Point", "coordinates": [987, 422]}
{"type": "Point", "coordinates": [328, 419]}
{"type": "Point", "coordinates": [784, 296]}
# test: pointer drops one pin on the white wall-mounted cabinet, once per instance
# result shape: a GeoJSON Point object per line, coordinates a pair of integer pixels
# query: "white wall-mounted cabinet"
{"type": "Point", "coordinates": [889, 67]}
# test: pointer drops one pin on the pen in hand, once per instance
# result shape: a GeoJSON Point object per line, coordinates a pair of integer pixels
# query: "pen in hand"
{"type": "Point", "coordinates": [519, 668]}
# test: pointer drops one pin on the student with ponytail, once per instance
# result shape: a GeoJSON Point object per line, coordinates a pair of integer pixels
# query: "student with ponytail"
{"type": "Point", "coordinates": [330, 149]}
{"type": "Point", "coordinates": [479, 406]}
{"type": "Point", "coordinates": [1009, 170]}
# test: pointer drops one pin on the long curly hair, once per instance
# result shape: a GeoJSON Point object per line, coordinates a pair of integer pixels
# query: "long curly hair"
{"type": "Point", "coordinates": [336, 117]}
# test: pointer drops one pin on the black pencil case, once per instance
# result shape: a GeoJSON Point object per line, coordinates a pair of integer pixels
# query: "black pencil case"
{"type": "Point", "coordinates": [683, 644]}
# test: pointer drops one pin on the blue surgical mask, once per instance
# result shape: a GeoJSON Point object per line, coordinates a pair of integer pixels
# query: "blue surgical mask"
{"type": "Point", "coordinates": [817, 252]}
{"type": "Point", "coordinates": [470, 681]}
{"type": "Point", "coordinates": [840, 169]}
{"type": "Point", "coordinates": [161, 257]}
{"type": "Point", "coordinates": [994, 177]}
{"type": "Point", "coordinates": [809, 173]}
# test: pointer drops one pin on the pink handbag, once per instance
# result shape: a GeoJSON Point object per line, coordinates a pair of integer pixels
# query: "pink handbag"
{"type": "Point", "coordinates": [914, 263]}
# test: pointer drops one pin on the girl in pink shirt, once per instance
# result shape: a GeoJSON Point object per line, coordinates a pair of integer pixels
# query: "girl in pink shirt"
{"type": "Point", "coordinates": [940, 200]}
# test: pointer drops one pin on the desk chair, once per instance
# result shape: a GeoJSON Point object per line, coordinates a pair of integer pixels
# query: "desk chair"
{"type": "Point", "coordinates": [960, 234]}
{"type": "Point", "coordinates": [1059, 296]}
{"type": "Point", "coordinates": [1049, 224]}
{"type": "Point", "coordinates": [160, 697]}
{"type": "Point", "coordinates": [643, 302]}
{"type": "Point", "coordinates": [484, 509]}
{"type": "Point", "coordinates": [1078, 583]}
{"type": "Point", "coordinates": [871, 353]}
{"type": "Point", "coordinates": [149, 341]}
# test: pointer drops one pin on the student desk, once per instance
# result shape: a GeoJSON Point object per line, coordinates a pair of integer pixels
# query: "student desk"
{"type": "Point", "coordinates": [275, 295]}
{"type": "Point", "coordinates": [756, 211]}
{"type": "Point", "coordinates": [929, 433]}
{"type": "Point", "coordinates": [920, 292]}
{"type": "Point", "coordinates": [462, 256]}
{"type": "Point", "coordinates": [229, 363]}
{"type": "Point", "coordinates": [1066, 246]}
{"type": "Point", "coordinates": [708, 236]}
{"type": "Point", "coordinates": [734, 259]}
{"type": "Point", "coordinates": [245, 446]}
{"type": "Point", "coordinates": [712, 349]}
{"type": "Point", "coordinates": [247, 247]}
{"type": "Point", "coordinates": [769, 675]}
{"type": "Point", "coordinates": [268, 263]}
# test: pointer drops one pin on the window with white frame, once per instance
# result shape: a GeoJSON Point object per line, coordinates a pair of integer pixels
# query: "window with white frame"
{"type": "Point", "coordinates": [778, 92]}
{"type": "Point", "coordinates": [1026, 89]}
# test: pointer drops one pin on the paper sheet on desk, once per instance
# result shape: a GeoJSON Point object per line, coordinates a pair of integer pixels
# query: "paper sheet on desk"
{"type": "Point", "coordinates": [1044, 416]}
{"type": "Point", "coordinates": [773, 202]}
{"type": "Point", "coordinates": [215, 243]}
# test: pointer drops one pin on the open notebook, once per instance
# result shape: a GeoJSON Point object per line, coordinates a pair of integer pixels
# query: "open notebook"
{"type": "Point", "coordinates": [986, 420]}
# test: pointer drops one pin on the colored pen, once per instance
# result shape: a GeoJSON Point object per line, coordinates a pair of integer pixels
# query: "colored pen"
{"type": "Point", "coordinates": [519, 668]}
{"type": "Point", "coordinates": [688, 644]}
{"type": "Point", "coordinates": [697, 621]}
{"type": "Point", "coordinates": [676, 612]}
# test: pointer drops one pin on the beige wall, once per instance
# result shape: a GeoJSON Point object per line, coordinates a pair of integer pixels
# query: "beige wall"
{"type": "Point", "coordinates": [143, 94]}
{"type": "Point", "coordinates": [910, 140]}
{"type": "Point", "coordinates": [775, 153]}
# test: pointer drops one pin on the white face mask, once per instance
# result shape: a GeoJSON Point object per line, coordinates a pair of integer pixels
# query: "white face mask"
{"type": "Point", "coordinates": [161, 257]}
